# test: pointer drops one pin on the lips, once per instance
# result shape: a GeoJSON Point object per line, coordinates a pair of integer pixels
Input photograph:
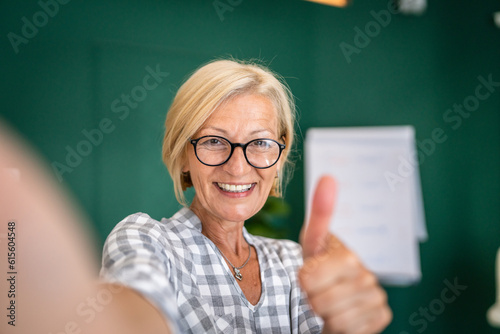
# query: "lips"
{"type": "Point", "coordinates": [234, 188]}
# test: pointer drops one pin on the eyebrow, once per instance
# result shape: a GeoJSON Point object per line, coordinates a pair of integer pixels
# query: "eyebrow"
{"type": "Point", "coordinates": [223, 131]}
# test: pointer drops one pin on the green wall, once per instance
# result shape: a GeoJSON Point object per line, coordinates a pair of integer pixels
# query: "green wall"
{"type": "Point", "coordinates": [66, 78]}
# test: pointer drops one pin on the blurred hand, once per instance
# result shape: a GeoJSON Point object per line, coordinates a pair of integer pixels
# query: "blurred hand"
{"type": "Point", "coordinates": [340, 289]}
{"type": "Point", "coordinates": [55, 288]}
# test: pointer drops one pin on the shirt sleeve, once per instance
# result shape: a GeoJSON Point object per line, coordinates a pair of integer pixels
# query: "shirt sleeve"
{"type": "Point", "coordinates": [133, 256]}
{"type": "Point", "coordinates": [309, 322]}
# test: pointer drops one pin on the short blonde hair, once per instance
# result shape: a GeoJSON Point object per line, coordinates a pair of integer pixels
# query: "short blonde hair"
{"type": "Point", "coordinates": [205, 90]}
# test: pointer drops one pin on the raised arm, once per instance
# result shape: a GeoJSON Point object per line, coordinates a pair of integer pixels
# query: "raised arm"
{"type": "Point", "coordinates": [53, 286]}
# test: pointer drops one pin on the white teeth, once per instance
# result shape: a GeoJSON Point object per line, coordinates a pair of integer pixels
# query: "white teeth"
{"type": "Point", "coordinates": [234, 188]}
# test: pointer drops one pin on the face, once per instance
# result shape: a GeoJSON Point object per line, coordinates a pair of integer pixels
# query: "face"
{"type": "Point", "coordinates": [240, 120]}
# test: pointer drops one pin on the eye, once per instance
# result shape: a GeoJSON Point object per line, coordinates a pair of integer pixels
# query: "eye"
{"type": "Point", "coordinates": [212, 143]}
{"type": "Point", "coordinates": [262, 144]}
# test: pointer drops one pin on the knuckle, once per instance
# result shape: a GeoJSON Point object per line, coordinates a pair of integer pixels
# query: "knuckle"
{"type": "Point", "coordinates": [384, 320]}
{"type": "Point", "coordinates": [388, 315]}
{"type": "Point", "coordinates": [368, 279]}
{"type": "Point", "coordinates": [383, 296]}
{"type": "Point", "coordinates": [350, 261]}
{"type": "Point", "coordinates": [322, 303]}
{"type": "Point", "coordinates": [378, 297]}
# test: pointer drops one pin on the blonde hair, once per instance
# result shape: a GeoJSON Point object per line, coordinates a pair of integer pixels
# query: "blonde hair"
{"type": "Point", "coordinates": [205, 90]}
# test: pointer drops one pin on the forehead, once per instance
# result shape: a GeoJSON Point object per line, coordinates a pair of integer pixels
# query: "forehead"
{"type": "Point", "coordinates": [244, 115]}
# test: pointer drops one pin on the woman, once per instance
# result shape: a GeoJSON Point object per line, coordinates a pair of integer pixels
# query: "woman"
{"type": "Point", "coordinates": [228, 134]}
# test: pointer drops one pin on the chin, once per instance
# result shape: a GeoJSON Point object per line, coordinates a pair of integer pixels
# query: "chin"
{"type": "Point", "coordinates": [238, 214]}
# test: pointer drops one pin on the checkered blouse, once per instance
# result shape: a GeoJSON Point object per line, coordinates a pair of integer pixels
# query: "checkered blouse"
{"type": "Point", "coordinates": [182, 273]}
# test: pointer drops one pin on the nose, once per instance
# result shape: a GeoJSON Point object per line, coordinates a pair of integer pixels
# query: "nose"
{"type": "Point", "coordinates": [237, 164]}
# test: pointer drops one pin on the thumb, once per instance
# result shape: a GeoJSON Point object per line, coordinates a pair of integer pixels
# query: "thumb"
{"type": "Point", "coordinates": [315, 232]}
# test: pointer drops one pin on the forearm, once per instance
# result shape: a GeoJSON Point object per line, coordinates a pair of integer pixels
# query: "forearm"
{"type": "Point", "coordinates": [51, 254]}
{"type": "Point", "coordinates": [127, 312]}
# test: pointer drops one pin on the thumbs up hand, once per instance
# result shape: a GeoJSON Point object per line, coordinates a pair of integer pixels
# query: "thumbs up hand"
{"type": "Point", "coordinates": [339, 288]}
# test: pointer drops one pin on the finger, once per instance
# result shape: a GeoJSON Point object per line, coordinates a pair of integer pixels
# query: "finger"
{"type": "Point", "coordinates": [345, 295]}
{"type": "Point", "coordinates": [317, 229]}
{"type": "Point", "coordinates": [376, 321]}
{"type": "Point", "coordinates": [368, 316]}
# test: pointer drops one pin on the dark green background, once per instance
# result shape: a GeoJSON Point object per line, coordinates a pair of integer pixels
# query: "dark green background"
{"type": "Point", "coordinates": [65, 78]}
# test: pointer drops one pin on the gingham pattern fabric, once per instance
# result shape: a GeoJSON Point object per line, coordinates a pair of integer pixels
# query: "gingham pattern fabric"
{"type": "Point", "coordinates": [182, 273]}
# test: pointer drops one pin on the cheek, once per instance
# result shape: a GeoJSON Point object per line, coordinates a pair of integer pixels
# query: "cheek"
{"type": "Point", "coordinates": [268, 177]}
{"type": "Point", "coordinates": [199, 175]}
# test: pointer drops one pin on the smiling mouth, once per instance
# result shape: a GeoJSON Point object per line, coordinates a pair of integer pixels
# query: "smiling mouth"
{"type": "Point", "coordinates": [233, 188]}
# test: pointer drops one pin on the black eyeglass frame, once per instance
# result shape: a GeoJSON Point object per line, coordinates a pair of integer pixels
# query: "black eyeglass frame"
{"type": "Point", "coordinates": [194, 142]}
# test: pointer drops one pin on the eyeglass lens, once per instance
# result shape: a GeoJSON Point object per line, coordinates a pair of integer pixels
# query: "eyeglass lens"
{"type": "Point", "coordinates": [216, 150]}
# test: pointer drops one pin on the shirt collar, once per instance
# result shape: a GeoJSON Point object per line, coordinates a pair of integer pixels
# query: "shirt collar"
{"type": "Point", "coordinates": [187, 217]}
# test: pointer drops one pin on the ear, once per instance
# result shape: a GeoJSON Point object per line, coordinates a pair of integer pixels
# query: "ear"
{"type": "Point", "coordinates": [185, 162]}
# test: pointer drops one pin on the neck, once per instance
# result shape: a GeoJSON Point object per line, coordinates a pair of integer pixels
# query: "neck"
{"type": "Point", "coordinates": [226, 235]}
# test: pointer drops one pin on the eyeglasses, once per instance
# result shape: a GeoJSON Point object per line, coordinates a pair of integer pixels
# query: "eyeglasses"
{"type": "Point", "coordinates": [215, 151]}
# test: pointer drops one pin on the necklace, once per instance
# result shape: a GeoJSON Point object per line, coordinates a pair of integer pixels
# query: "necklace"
{"type": "Point", "coordinates": [237, 272]}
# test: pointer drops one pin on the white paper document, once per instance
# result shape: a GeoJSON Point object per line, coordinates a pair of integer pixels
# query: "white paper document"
{"type": "Point", "coordinates": [379, 211]}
